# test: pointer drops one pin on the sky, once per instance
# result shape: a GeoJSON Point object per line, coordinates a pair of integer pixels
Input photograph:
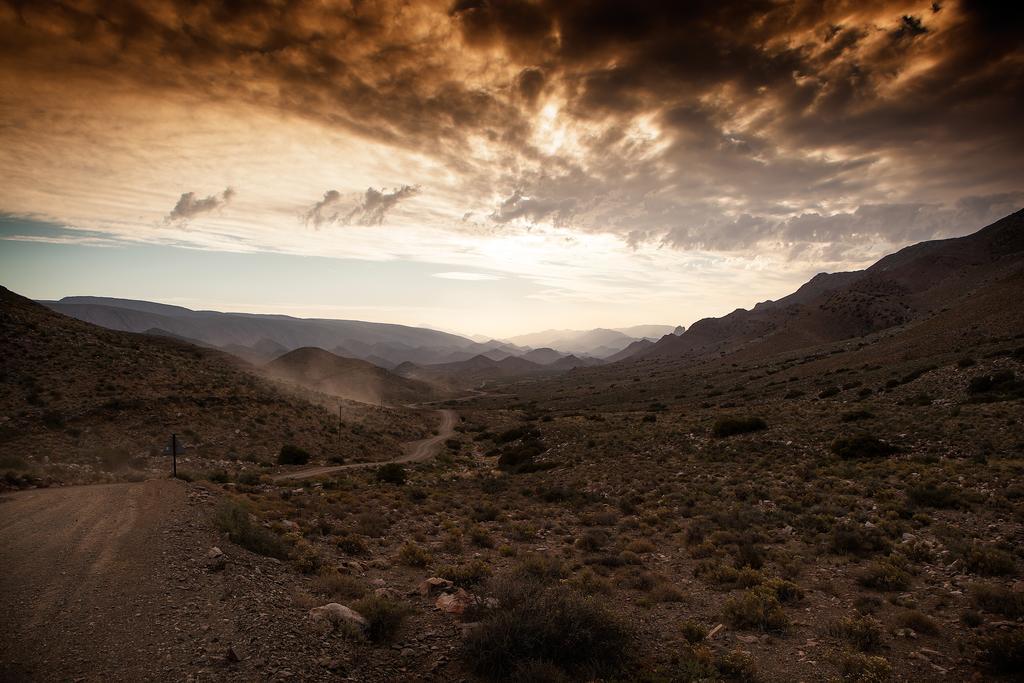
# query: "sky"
{"type": "Point", "coordinates": [494, 167]}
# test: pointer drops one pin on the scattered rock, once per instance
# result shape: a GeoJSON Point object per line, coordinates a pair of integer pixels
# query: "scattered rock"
{"type": "Point", "coordinates": [454, 603]}
{"type": "Point", "coordinates": [216, 560]}
{"type": "Point", "coordinates": [335, 614]}
{"type": "Point", "coordinates": [435, 585]}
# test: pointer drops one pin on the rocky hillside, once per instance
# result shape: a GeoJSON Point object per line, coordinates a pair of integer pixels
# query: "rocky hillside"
{"type": "Point", "coordinates": [349, 378]}
{"type": "Point", "coordinates": [81, 402]}
{"type": "Point", "coordinates": [911, 285]}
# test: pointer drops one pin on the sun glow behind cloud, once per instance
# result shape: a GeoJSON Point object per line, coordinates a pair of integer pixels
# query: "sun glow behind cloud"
{"type": "Point", "coordinates": [627, 178]}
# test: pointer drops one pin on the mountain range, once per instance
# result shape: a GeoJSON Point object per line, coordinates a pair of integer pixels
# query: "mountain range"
{"type": "Point", "coordinates": [352, 359]}
{"type": "Point", "coordinates": [261, 338]}
{"type": "Point", "coordinates": [598, 343]}
{"type": "Point", "coordinates": [939, 278]}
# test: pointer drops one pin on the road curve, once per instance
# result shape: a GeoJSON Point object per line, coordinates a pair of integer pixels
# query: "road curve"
{"type": "Point", "coordinates": [415, 451]}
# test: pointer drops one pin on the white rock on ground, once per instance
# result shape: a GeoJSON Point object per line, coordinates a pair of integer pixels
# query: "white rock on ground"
{"type": "Point", "coordinates": [336, 614]}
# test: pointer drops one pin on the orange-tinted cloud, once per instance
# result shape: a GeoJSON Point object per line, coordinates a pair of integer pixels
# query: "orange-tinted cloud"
{"type": "Point", "coordinates": [704, 123]}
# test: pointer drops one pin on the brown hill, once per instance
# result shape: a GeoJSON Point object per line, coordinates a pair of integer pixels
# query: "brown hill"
{"type": "Point", "coordinates": [475, 371]}
{"type": "Point", "coordinates": [350, 378]}
{"type": "Point", "coordinates": [81, 403]}
{"type": "Point", "coordinates": [910, 285]}
{"type": "Point", "coordinates": [637, 347]}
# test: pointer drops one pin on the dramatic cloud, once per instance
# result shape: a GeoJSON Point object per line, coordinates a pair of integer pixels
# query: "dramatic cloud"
{"type": "Point", "coordinates": [532, 209]}
{"type": "Point", "coordinates": [811, 133]}
{"type": "Point", "coordinates": [189, 205]}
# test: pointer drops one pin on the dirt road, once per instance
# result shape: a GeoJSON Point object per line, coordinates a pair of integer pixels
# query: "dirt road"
{"type": "Point", "coordinates": [83, 576]}
{"type": "Point", "coordinates": [110, 583]}
{"type": "Point", "coordinates": [415, 451]}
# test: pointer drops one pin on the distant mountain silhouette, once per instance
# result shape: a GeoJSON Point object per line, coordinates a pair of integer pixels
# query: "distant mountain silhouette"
{"type": "Point", "coordinates": [543, 356]}
{"type": "Point", "coordinates": [633, 349]}
{"type": "Point", "coordinates": [575, 341]}
{"type": "Point", "coordinates": [904, 288]}
{"type": "Point", "coordinates": [474, 371]}
{"type": "Point", "coordinates": [259, 338]}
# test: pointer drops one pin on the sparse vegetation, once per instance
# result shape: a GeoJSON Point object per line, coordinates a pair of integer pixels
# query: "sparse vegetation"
{"type": "Point", "coordinates": [756, 608]}
{"type": "Point", "coordinates": [542, 625]}
{"type": "Point", "coordinates": [385, 617]}
{"type": "Point", "coordinates": [391, 473]}
{"type": "Point", "coordinates": [862, 446]}
{"type": "Point", "coordinates": [292, 455]}
{"type": "Point", "coordinates": [732, 426]}
{"type": "Point", "coordinates": [235, 521]}
{"type": "Point", "coordinates": [861, 632]}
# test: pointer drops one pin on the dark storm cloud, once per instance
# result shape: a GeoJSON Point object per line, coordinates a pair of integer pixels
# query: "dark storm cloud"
{"type": "Point", "coordinates": [189, 205]}
{"type": "Point", "coordinates": [890, 223]}
{"type": "Point", "coordinates": [772, 120]}
{"type": "Point", "coordinates": [530, 82]}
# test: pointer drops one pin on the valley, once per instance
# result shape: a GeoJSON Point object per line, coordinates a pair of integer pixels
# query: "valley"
{"type": "Point", "coordinates": [807, 490]}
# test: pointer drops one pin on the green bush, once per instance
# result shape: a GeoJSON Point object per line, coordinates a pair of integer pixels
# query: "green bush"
{"type": "Point", "coordinates": [519, 457]}
{"type": "Point", "coordinates": [998, 599]}
{"type": "Point", "coordinates": [413, 555]}
{"type": "Point", "coordinates": [391, 473]}
{"type": "Point", "coordinates": [988, 560]}
{"type": "Point", "coordinates": [850, 538]}
{"type": "Point", "coordinates": [385, 617]}
{"type": "Point", "coordinates": [693, 632]}
{"type": "Point", "coordinates": [292, 455]}
{"type": "Point", "coordinates": [232, 518]}
{"type": "Point", "coordinates": [757, 608]}
{"type": "Point", "coordinates": [339, 587]}
{"type": "Point", "coordinates": [860, 668]}
{"type": "Point", "coordinates": [540, 567]}
{"type": "Point", "coordinates": [548, 625]}
{"type": "Point", "coordinates": [863, 633]}
{"type": "Point", "coordinates": [1004, 652]}
{"type": "Point", "coordinates": [884, 576]}
{"type": "Point", "coordinates": [862, 446]}
{"type": "Point", "coordinates": [918, 621]}
{"type": "Point", "coordinates": [936, 495]}
{"type": "Point", "coordinates": [467, 574]}
{"type": "Point", "coordinates": [307, 558]}
{"type": "Point", "coordinates": [996, 386]}
{"type": "Point", "coordinates": [730, 426]}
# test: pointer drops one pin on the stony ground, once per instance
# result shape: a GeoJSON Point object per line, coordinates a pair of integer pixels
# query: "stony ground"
{"type": "Point", "coordinates": [851, 512]}
{"type": "Point", "coordinates": [116, 582]}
